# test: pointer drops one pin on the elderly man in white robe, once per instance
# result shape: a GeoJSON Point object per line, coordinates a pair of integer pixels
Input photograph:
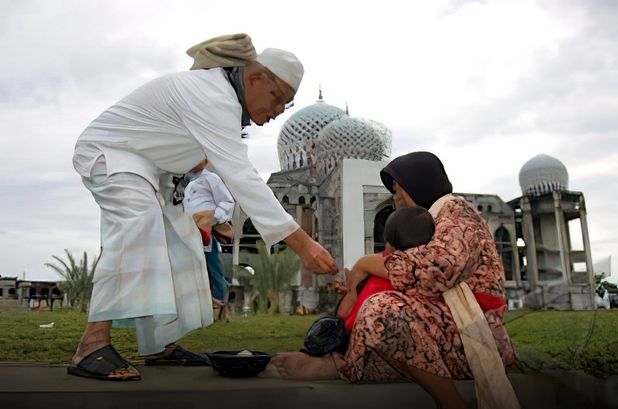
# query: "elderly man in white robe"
{"type": "Point", "coordinates": [152, 268]}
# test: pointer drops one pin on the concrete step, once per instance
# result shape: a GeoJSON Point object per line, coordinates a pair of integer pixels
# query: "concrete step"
{"type": "Point", "coordinates": [23, 386]}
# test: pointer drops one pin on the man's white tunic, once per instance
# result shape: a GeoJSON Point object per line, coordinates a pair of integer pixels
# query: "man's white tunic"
{"type": "Point", "coordinates": [152, 266]}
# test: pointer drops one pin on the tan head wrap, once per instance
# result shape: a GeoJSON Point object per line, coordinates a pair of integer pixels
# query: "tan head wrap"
{"type": "Point", "coordinates": [230, 50]}
{"type": "Point", "coordinates": [234, 50]}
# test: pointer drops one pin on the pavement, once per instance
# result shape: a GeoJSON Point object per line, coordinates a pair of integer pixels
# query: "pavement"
{"type": "Point", "coordinates": [48, 387]}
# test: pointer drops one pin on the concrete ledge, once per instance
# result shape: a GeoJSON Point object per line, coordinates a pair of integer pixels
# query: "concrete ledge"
{"type": "Point", "coordinates": [30, 386]}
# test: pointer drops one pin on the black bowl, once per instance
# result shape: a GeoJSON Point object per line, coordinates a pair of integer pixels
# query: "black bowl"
{"type": "Point", "coordinates": [229, 363]}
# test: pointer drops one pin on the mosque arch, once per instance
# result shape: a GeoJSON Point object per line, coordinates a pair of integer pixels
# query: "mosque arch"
{"type": "Point", "coordinates": [248, 227]}
{"type": "Point", "coordinates": [502, 238]}
{"type": "Point", "coordinates": [379, 221]}
{"type": "Point", "coordinates": [249, 237]}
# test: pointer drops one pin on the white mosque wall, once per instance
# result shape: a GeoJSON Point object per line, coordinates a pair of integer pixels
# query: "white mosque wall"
{"type": "Point", "coordinates": [357, 175]}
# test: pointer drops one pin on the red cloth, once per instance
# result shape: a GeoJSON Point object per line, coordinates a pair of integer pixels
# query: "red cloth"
{"type": "Point", "coordinates": [489, 302]}
{"type": "Point", "coordinates": [205, 236]}
{"type": "Point", "coordinates": [376, 284]}
{"type": "Point", "coordinates": [373, 285]}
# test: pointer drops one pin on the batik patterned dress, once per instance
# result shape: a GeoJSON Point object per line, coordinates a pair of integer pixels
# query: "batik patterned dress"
{"type": "Point", "coordinates": [412, 325]}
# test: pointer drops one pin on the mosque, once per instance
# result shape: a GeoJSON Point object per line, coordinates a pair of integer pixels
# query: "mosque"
{"type": "Point", "coordinates": [329, 182]}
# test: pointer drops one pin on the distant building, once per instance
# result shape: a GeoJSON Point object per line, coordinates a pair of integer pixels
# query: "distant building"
{"type": "Point", "coordinates": [554, 273]}
{"type": "Point", "coordinates": [21, 295]}
{"type": "Point", "coordinates": [534, 235]}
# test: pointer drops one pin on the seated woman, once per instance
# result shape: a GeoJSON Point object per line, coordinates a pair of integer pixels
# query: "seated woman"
{"type": "Point", "coordinates": [405, 228]}
{"type": "Point", "coordinates": [410, 332]}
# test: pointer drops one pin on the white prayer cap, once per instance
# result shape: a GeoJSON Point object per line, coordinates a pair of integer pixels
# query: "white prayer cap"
{"type": "Point", "coordinates": [284, 65]}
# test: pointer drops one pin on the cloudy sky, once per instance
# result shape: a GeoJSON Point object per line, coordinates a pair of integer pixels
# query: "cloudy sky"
{"type": "Point", "coordinates": [486, 85]}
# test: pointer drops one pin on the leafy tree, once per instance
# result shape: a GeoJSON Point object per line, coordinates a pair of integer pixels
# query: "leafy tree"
{"type": "Point", "coordinates": [78, 278]}
{"type": "Point", "coordinates": [272, 273]}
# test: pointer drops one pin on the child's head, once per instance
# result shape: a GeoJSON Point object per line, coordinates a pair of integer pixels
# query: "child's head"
{"type": "Point", "coordinates": [409, 227]}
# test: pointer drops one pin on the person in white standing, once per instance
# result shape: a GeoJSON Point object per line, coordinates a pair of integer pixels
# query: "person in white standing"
{"type": "Point", "coordinates": [206, 192]}
{"type": "Point", "coordinates": [152, 267]}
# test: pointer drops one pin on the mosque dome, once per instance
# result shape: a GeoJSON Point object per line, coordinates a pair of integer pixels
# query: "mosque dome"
{"type": "Point", "coordinates": [352, 138]}
{"type": "Point", "coordinates": [298, 136]}
{"type": "Point", "coordinates": [543, 174]}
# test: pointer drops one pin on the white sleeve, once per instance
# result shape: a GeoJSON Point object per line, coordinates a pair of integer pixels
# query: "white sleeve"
{"type": "Point", "coordinates": [212, 115]}
{"type": "Point", "coordinates": [222, 198]}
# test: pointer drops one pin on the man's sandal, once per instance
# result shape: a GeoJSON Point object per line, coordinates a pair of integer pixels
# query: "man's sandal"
{"type": "Point", "coordinates": [101, 364]}
{"type": "Point", "coordinates": [179, 357]}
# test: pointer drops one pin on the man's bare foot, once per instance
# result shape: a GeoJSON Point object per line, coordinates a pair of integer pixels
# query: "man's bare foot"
{"type": "Point", "coordinates": [95, 337]}
{"type": "Point", "coordinates": [300, 366]}
{"type": "Point", "coordinates": [124, 373]}
{"type": "Point", "coordinates": [86, 348]}
{"type": "Point", "coordinates": [105, 364]}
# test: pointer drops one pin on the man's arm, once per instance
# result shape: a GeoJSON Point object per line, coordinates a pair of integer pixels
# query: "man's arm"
{"type": "Point", "coordinates": [212, 115]}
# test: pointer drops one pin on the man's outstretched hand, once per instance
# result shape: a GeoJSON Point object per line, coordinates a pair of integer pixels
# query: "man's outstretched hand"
{"type": "Point", "coordinates": [313, 256]}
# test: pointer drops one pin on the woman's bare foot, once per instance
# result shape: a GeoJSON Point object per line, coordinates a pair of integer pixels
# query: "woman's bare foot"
{"type": "Point", "coordinates": [300, 366]}
{"type": "Point", "coordinates": [442, 390]}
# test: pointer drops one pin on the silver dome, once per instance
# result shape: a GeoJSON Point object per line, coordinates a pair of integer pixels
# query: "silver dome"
{"type": "Point", "coordinates": [543, 174]}
{"type": "Point", "coordinates": [298, 136]}
{"type": "Point", "coordinates": [352, 138]}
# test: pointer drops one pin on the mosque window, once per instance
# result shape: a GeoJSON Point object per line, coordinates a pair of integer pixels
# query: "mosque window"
{"type": "Point", "coordinates": [505, 249]}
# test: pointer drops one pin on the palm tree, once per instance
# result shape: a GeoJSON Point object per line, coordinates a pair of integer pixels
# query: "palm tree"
{"type": "Point", "coordinates": [272, 273]}
{"type": "Point", "coordinates": [78, 278]}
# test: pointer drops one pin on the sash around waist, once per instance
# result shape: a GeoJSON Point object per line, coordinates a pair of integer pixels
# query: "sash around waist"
{"type": "Point", "coordinates": [116, 161]}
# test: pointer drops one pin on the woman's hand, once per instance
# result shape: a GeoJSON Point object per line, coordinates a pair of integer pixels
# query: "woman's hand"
{"type": "Point", "coordinates": [347, 304]}
{"type": "Point", "coordinates": [338, 287]}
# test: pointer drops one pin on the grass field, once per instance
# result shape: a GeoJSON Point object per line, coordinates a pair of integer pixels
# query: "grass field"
{"type": "Point", "coordinates": [545, 341]}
